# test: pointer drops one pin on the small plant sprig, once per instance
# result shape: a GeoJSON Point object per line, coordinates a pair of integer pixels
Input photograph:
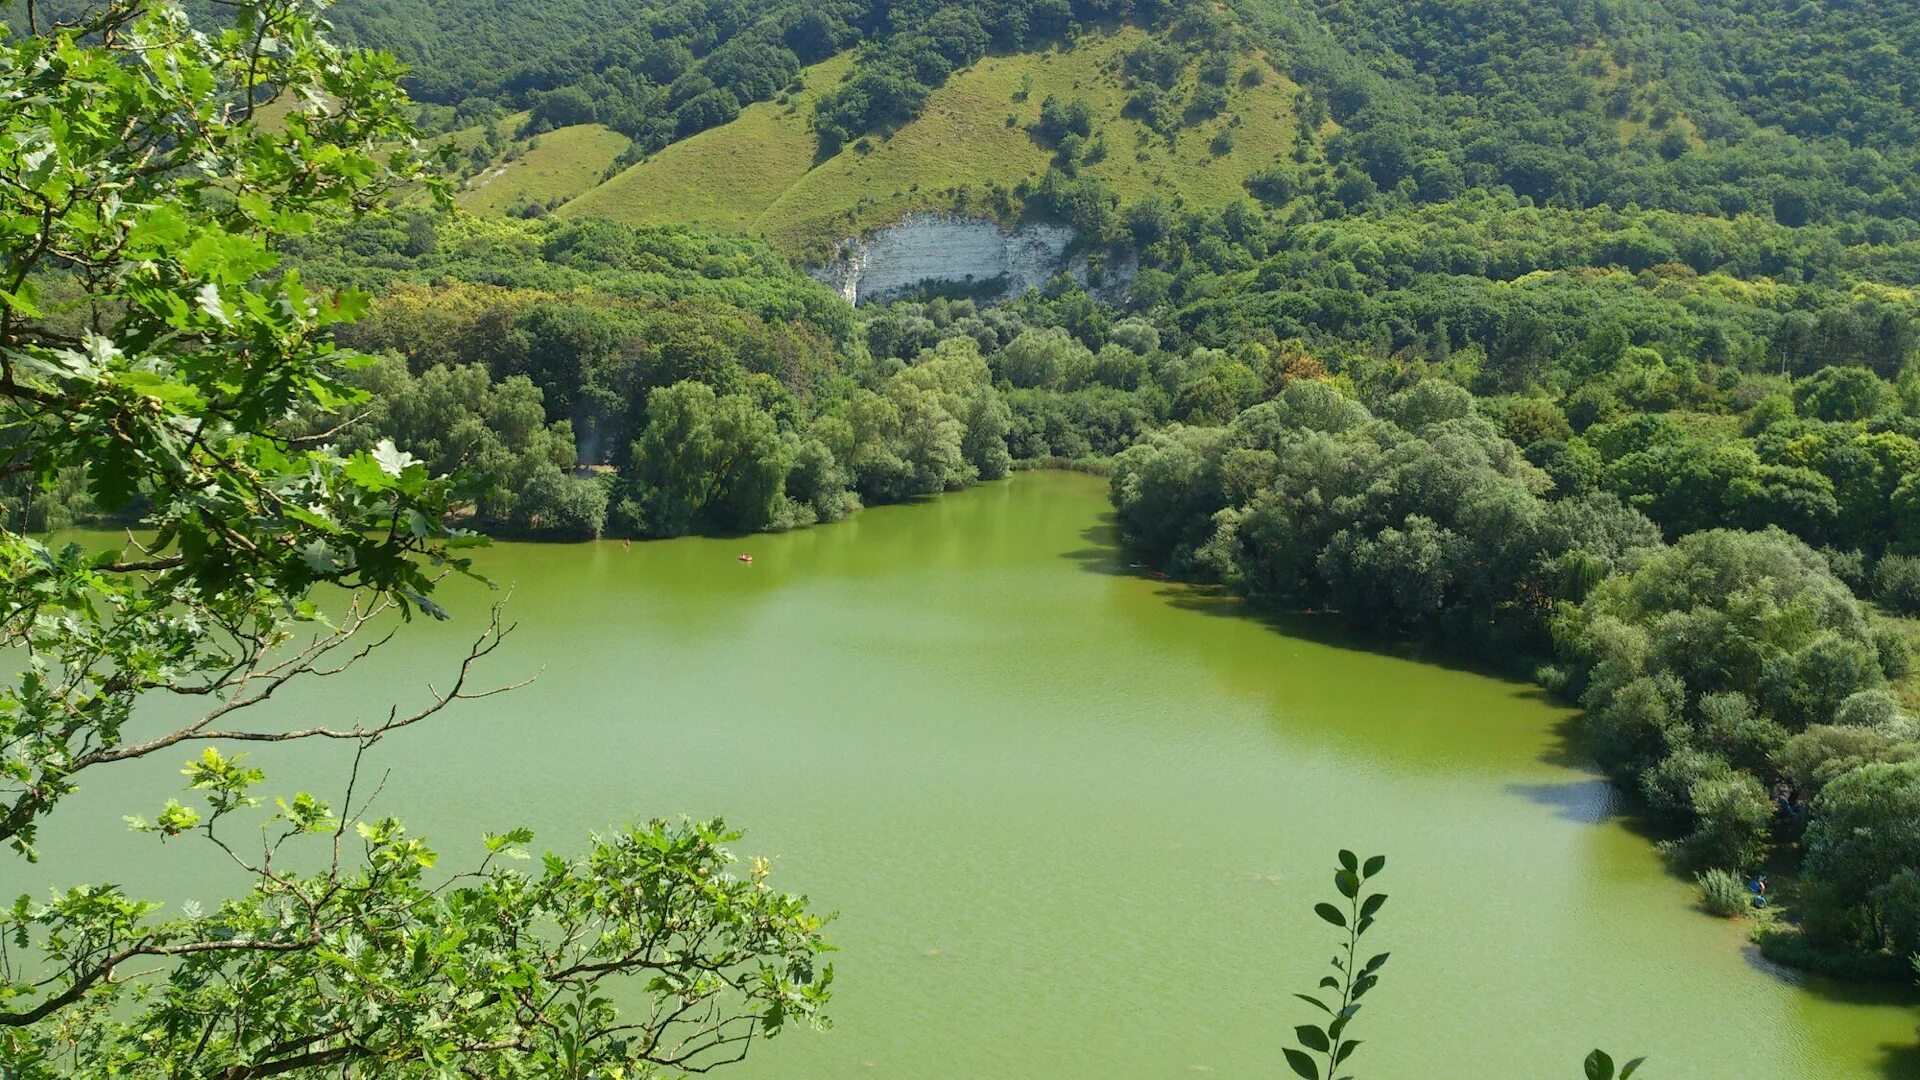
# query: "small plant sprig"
{"type": "Point", "coordinates": [1323, 1048]}
{"type": "Point", "coordinates": [1600, 1067]}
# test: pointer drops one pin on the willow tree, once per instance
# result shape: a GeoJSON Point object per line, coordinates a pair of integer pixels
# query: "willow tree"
{"type": "Point", "coordinates": [152, 343]}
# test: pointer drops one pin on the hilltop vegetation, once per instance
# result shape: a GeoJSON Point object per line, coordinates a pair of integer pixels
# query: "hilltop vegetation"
{"type": "Point", "coordinates": [1798, 113]}
{"type": "Point", "coordinates": [832, 118]}
{"type": "Point", "coordinates": [977, 145]}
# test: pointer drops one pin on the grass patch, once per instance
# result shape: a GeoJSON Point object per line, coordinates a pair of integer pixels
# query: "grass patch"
{"type": "Point", "coordinates": [552, 168]}
{"type": "Point", "coordinates": [1723, 893]}
{"type": "Point", "coordinates": [724, 178]}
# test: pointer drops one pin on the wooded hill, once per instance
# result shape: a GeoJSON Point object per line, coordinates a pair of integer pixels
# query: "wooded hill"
{"type": "Point", "coordinates": [843, 113]}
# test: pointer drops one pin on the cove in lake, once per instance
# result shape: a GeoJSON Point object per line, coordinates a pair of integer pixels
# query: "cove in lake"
{"type": "Point", "coordinates": [1072, 819]}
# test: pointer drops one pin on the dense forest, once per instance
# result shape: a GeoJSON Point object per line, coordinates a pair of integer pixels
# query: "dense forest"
{"type": "Point", "coordinates": [1800, 113]}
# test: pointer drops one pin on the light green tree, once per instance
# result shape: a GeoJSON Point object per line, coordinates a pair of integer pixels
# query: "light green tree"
{"type": "Point", "coordinates": [707, 461]}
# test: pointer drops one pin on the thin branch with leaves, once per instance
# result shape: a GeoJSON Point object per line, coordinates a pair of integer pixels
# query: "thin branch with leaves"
{"type": "Point", "coordinates": [1324, 1047]}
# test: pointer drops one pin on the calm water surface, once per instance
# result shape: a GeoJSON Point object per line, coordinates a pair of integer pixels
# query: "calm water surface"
{"type": "Point", "coordinates": [1072, 820]}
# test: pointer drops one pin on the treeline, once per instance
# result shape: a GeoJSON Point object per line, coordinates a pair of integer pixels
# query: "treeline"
{"type": "Point", "coordinates": [1645, 309]}
{"type": "Point", "coordinates": [585, 379]}
{"type": "Point", "coordinates": [591, 379]}
{"type": "Point", "coordinates": [1731, 679]}
{"type": "Point", "coordinates": [1664, 310]}
{"type": "Point", "coordinates": [1699, 425]}
{"type": "Point", "coordinates": [662, 70]}
{"type": "Point", "coordinates": [1618, 105]}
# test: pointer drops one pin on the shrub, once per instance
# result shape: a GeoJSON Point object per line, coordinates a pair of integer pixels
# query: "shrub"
{"type": "Point", "coordinates": [1275, 185]}
{"type": "Point", "coordinates": [1208, 101]}
{"type": "Point", "coordinates": [1848, 566]}
{"type": "Point", "coordinates": [1896, 654]}
{"type": "Point", "coordinates": [1729, 727]}
{"type": "Point", "coordinates": [1841, 394]}
{"type": "Point", "coordinates": [1896, 583]}
{"type": "Point", "coordinates": [1668, 787]}
{"type": "Point", "coordinates": [1723, 894]}
{"type": "Point", "coordinates": [1796, 948]}
{"type": "Point", "coordinates": [1734, 816]}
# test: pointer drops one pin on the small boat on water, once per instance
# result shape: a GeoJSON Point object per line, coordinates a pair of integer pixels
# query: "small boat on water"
{"type": "Point", "coordinates": [744, 557]}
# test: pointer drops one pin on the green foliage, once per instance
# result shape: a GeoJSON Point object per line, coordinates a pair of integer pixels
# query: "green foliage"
{"type": "Point", "coordinates": [1324, 1046]}
{"type": "Point", "coordinates": [153, 342]}
{"type": "Point", "coordinates": [1722, 893]}
{"type": "Point", "coordinates": [1896, 583]}
{"type": "Point", "coordinates": [513, 467]}
{"type": "Point", "coordinates": [707, 462]}
{"type": "Point", "coordinates": [1434, 531]}
{"type": "Point", "coordinates": [1733, 821]}
{"type": "Point", "coordinates": [1842, 394]}
{"type": "Point", "coordinates": [396, 969]}
{"type": "Point", "coordinates": [1862, 849]}
{"type": "Point", "coordinates": [150, 337]}
{"type": "Point", "coordinates": [1599, 1066]}
{"type": "Point", "coordinates": [1041, 358]}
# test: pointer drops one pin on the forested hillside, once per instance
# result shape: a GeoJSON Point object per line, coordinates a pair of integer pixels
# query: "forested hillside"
{"type": "Point", "coordinates": [1804, 113]}
{"type": "Point", "coordinates": [1799, 113]}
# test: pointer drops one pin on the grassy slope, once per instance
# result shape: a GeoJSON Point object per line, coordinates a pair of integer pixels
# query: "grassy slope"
{"type": "Point", "coordinates": [724, 177]}
{"type": "Point", "coordinates": [564, 163]}
{"type": "Point", "coordinates": [758, 172]}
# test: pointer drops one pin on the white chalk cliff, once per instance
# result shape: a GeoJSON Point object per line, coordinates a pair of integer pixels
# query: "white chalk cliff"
{"type": "Point", "coordinates": [926, 248]}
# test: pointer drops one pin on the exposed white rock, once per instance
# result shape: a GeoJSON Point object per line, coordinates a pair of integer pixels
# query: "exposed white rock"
{"type": "Point", "coordinates": [926, 248]}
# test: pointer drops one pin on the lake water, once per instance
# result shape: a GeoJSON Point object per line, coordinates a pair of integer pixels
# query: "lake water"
{"type": "Point", "coordinates": [1073, 820]}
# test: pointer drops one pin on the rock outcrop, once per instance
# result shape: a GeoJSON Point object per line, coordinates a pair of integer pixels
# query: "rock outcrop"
{"type": "Point", "coordinates": [926, 248]}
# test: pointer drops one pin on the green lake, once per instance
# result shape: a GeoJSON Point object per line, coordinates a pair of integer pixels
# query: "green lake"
{"type": "Point", "coordinates": [1073, 820]}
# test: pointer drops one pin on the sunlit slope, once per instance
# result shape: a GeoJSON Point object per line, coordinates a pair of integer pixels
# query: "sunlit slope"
{"type": "Point", "coordinates": [725, 177]}
{"type": "Point", "coordinates": [550, 168]}
{"type": "Point", "coordinates": [760, 173]}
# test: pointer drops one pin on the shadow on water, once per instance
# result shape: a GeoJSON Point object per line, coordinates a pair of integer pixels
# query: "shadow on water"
{"type": "Point", "coordinates": [1105, 555]}
{"type": "Point", "coordinates": [1586, 802]}
{"type": "Point", "coordinates": [1897, 1061]}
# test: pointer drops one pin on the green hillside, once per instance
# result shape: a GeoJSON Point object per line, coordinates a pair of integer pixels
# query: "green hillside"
{"type": "Point", "coordinates": [805, 122]}
{"type": "Point", "coordinates": [544, 170]}
{"type": "Point", "coordinates": [726, 177]}
{"type": "Point", "coordinates": [759, 172]}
